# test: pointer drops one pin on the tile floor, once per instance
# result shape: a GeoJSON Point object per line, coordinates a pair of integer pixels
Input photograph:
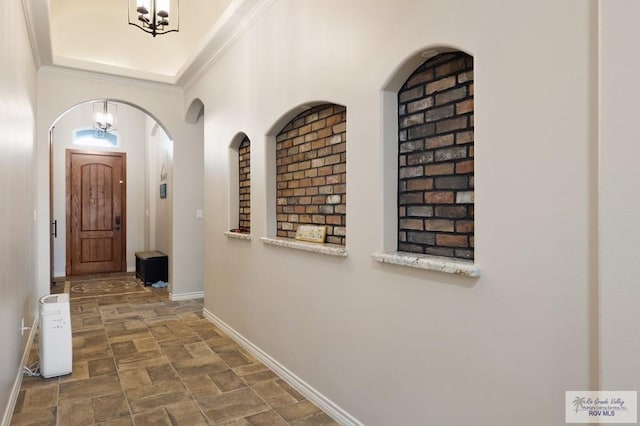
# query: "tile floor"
{"type": "Point", "coordinates": [141, 359]}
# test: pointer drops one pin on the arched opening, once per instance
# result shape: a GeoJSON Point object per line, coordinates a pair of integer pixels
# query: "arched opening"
{"type": "Point", "coordinates": [429, 155]}
{"type": "Point", "coordinates": [436, 158]}
{"type": "Point", "coordinates": [145, 220]}
{"type": "Point", "coordinates": [307, 153]}
{"type": "Point", "coordinates": [195, 111]}
{"type": "Point", "coordinates": [240, 184]}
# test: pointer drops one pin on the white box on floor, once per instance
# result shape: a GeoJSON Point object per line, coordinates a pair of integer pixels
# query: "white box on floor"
{"type": "Point", "coordinates": [55, 336]}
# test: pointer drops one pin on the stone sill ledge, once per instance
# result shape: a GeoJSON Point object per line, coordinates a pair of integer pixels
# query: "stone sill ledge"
{"type": "Point", "coordinates": [238, 235]}
{"type": "Point", "coordinates": [329, 249]}
{"type": "Point", "coordinates": [424, 261]}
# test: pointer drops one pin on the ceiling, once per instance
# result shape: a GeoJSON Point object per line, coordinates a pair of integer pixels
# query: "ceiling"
{"type": "Point", "coordinates": [94, 35]}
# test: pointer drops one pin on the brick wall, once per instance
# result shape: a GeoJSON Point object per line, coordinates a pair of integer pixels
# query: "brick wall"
{"type": "Point", "coordinates": [311, 172]}
{"type": "Point", "coordinates": [435, 161]}
{"type": "Point", "coordinates": [244, 168]}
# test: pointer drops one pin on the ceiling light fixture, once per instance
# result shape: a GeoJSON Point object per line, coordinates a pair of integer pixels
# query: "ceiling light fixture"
{"type": "Point", "coordinates": [104, 116]}
{"type": "Point", "coordinates": [154, 16]}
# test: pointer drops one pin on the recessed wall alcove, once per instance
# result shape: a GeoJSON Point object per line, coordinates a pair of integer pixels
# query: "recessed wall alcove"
{"type": "Point", "coordinates": [428, 107]}
{"type": "Point", "coordinates": [240, 186]}
{"type": "Point", "coordinates": [307, 176]}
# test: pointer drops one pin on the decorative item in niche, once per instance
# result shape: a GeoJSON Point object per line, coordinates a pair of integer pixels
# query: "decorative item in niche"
{"type": "Point", "coordinates": [163, 173]}
{"type": "Point", "coordinates": [240, 230]}
{"type": "Point", "coordinates": [312, 233]}
{"type": "Point", "coordinates": [163, 190]}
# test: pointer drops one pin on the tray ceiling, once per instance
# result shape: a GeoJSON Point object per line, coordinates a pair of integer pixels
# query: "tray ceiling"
{"type": "Point", "coordinates": [94, 35]}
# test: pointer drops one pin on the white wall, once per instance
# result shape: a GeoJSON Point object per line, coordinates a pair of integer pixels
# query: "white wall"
{"type": "Point", "coordinates": [131, 138]}
{"type": "Point", "coordinates": [394, 345]}
{"type": "Point", "coordinates": [619, 181]}
{"type": "Point", "coordinates": [188, 196]}
{"type": "Point", "coordinates": [18, 296]}
{"type": "Point", "coordinates": [58, 91]}
{"type": "Point", "coordinates": [160, 163]}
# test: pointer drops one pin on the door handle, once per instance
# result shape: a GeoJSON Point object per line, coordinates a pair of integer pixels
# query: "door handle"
{"type": "Point", "coordinates": [55, 229]}
{"type": "Point", "coordinates": [117, 223]}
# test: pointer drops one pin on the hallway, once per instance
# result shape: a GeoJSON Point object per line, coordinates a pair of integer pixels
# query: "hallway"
{"type": "Point", "coordinates": [466, 169]}
{"type": "Point", "coordinates": [141, 359]}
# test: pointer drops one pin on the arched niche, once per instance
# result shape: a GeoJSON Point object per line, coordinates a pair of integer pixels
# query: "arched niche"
{"type": "Point", "coordinates": [306, 169]}
{"type": "Point", "coordinates": [239, 220]}
{"type": "Point", "coordinates": [194, 112]}
{"type": "Point", "coordinates": [417, 109]}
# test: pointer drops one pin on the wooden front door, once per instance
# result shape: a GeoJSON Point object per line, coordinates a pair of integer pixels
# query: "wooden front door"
{"type": "Point", "coordinates": [96, 197]}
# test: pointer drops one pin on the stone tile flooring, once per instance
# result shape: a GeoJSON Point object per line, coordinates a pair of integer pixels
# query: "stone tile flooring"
{"type": "Point", "coordinates": [140, 359]}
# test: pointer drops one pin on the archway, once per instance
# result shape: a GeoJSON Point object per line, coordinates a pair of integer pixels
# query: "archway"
{"type": "Point", "coordinates": [60, 92]}
{"type": "Point", "coordinates": [149, 151]}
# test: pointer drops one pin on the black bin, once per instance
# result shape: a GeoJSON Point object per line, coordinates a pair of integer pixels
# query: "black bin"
{"type": "Point", "coordinates": [151, 267]}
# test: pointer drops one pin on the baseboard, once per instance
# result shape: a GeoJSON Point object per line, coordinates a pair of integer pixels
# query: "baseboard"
{"type": "Point", "coordinates": [328, 406]}
{"type": "Point", "coordinates": [186, 296]}
{"type": "Point", "coordinates": [8, 412]}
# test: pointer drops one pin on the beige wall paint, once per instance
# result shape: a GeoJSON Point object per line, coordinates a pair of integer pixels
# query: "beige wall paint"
{"type": "Point", "coordinates": [160, 212]}
{"type": "Point", "coordinates": [619, 182]}
{"type": "Point", "coordinates": [394, 345]}
{"type": "Point", "coordinates": [18, 294]}
{"type": "Point", "coordinates": [131, 136]}
{"type": "Point", "coordinates": [188, 196]}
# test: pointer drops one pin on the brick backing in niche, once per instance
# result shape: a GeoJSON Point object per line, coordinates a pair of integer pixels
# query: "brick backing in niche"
{"type": "Point", "coordinates": [311, 172]}
{"type": "Point", "coordinates": [435, 161]}
{"type": "Point", "coordinates": [244, 180]}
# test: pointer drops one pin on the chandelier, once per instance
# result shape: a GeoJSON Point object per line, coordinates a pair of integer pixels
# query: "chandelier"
{"type": "Point", "coordinates": [154, 16]}
{"type": "Point", "coordinates": [104, 116]}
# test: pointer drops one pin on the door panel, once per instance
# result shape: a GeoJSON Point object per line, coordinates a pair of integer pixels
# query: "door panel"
{"type": "Point", "coordinates": [95, 212]}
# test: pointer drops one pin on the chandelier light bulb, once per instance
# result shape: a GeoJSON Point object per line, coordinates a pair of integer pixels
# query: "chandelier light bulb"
{"type": "Point", "coordinates": [163, 6]}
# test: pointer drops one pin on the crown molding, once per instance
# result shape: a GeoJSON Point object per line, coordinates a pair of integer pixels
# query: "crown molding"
{"type": "Point", "coordinates": [230, 27]}
{"type": "Point", "coordinates": [238, 16]}
{"type": "Point", "coordinates": [36, 16]}
{"type": "Point", "coordinates": [103, 77]}
{"type": "Point", "coordinates": [106, 69]}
